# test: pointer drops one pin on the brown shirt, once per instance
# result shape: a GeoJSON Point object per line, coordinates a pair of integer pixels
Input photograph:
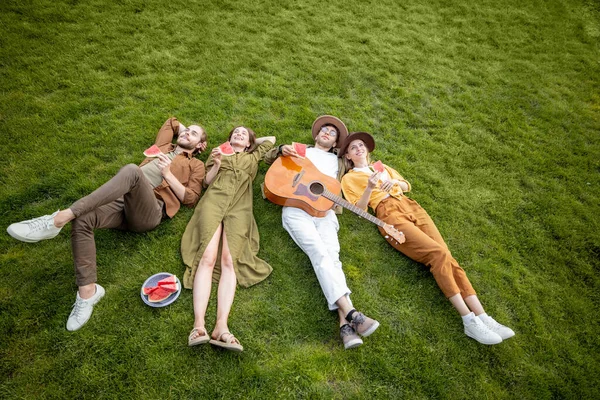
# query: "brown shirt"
{"type": "Point", "coordinates": [185, 167]}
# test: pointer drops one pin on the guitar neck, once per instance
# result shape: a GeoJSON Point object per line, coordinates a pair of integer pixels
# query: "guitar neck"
{"type": "Point", "coordinates": [346, 204]}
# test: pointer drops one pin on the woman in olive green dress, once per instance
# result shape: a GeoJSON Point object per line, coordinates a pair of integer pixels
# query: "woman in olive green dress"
{"type": "Point", "coordinates": [223, 230]}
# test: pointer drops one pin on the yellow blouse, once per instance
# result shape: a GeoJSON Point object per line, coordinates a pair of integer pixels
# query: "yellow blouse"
{"type": "Point", "coordinates": [354, 184]}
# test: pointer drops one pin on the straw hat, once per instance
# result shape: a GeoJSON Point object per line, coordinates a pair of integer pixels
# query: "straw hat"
{"type": "Point", "coordinates": [330, 120]}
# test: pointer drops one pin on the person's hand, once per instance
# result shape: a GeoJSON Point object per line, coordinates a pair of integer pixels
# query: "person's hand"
{"type": "Point", "coordinates": [373, 179]}
{"type": "Point", "coordinates": [164, 164]}
{"type": "Point", "coordinates": [203, 146]}
{"type": "Point", "coordinates": [386, 186]}
{"type": "Point", "coordinates": [288, 150]}
{"type": "Point", "coordinates": [216, 156]}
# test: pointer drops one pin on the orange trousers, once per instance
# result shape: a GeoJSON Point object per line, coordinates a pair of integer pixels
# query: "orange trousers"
{"type": "Point", "coordinates": [424, 244]}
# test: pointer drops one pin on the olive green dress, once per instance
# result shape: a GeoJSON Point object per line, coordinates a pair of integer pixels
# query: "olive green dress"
{"type": "Point", "coordinates": [228, 199]}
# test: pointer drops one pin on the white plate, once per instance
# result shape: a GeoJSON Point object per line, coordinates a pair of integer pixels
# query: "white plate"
{"type": "Point", "coordinates": [153, 281]}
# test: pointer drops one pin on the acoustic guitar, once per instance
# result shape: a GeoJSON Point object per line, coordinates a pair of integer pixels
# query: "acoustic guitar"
{"type": "Point", "coordinates": [296, 182]}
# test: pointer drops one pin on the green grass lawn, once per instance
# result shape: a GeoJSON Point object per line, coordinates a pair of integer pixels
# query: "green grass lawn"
{"type": "Point", "coordinates": [491, 109]}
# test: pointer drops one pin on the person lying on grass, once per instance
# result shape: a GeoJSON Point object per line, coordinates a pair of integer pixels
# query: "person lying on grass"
{"type": "Point", "coordinates": [384, 193]}
{"type": "Point", "coordinates": [135, 199]}
{"type": "Point", "coordinates": [318, 236]}
{"type": "Point", "coordinates": [223, 226]}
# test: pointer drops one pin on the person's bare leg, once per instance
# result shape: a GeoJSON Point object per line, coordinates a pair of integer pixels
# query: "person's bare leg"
{"type": "Point", "coordinates": [203, 280]}
{"type": "Point", "coordinates": [344, 309]}
{"type": "Point", "coordinates": [87, 291]}
{"type": "Point", "coordinates": [474, 304]}
{"type": "Point", "coordinates": [226, 291]}
{"type": "Point", "coordinates": [459, 304]}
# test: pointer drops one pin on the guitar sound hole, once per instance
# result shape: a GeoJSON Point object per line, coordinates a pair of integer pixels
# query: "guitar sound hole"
{"type": "Point", "coordinates": [316, 188]}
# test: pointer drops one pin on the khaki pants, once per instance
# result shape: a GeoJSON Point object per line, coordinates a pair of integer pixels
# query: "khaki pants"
{"type": "Point", "coordinates": [424, 244]}
{"type": "Point", "coordinates": [126, 202]}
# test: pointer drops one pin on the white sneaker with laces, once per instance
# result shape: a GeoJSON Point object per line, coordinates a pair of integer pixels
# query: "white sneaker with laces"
{"type": "Point", "coordinates": [82, 309]}
{"type": "Point", "coordinates": [479, 331]}
{"type": "Point", "coordinates": [34, 230]}
{"type": "Point", "coordinates": [504, 331]}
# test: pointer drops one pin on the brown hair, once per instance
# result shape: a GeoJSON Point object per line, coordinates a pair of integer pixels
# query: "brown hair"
{"type": "Point", "coordinates": [251, 136]}
{"type": "Point", "coordinates": [203, 136]}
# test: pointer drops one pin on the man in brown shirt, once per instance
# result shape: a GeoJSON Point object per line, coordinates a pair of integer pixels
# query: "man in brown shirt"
{"type": "Point", "coordinates": [135, 199]}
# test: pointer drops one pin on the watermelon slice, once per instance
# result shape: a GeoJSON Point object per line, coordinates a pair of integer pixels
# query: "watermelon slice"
{"type": "Point", "coordinates": [378, 166]}
{"type": "Point", "coordinates": [226, 149]}
{"type": "Point", "coordinates": [300, 149]}
{"type": "Point", "coordinates": [152, 151]}
{"type": "Point", "coordinates": [159, 295]}
{"type": "Point", "coordinates": [148, 290]}
{"type": "Point", "coordinates": [167, 281]}
{"type": "Point", "coordinates": [171, 288]}
{"type": "Point", "coordinates": [168, 284]}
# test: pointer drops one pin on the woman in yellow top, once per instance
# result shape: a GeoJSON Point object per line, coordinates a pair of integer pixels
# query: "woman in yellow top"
{"type": "Point", "coordinates": [223, 230]}
{"type": "Point", "coordinates": [384, 193]}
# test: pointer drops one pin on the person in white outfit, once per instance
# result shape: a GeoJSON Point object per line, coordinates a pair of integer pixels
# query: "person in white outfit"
{"type": "Point", "coordinates": [318, 236]}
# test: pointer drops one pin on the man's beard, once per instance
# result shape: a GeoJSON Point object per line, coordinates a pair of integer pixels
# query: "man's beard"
{"type": "Point", "coordinates": [186, 146]}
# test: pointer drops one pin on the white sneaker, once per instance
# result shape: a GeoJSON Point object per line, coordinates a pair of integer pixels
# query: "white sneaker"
{"type": "Point", "coordinates": [504, 331]}
{"type": "Point", "coordinates": [34, 230]}
{"type": "Point", "coordinates": [480, 332]}
{"type": "Point", "coordinates": [82, 309]}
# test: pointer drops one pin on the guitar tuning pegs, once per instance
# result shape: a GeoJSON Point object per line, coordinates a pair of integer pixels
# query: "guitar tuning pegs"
{"type": "Point", "coordinates": [386, 236]}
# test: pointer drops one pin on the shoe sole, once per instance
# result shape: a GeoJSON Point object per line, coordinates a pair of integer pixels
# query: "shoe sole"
{"type": "Point", "coordinates": [371, 329]}
{"type": "Point", "coordinates": [479, 341]}
{"type": "Point", "coordinates": [27, 240]}
{"type": "Point", "coordinates": [235, 348]}
{"type": "Point", "coordinates": [21, 238]}
{"type": "Point", "coordinates": [506, 336]}
{"type": "Point", "coordinates": [352, 344]}
{"type": "Point", "coordinates": [198, 341]}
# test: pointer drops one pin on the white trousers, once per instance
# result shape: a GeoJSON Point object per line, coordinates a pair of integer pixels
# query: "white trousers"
{"type": "Point", "coordinates": [318, 238]}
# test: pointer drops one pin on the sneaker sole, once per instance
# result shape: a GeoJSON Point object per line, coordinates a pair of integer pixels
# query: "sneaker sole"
{"type": "Point", "coordinates": [369, 331]}
{"type": "Point", "coordinates": [352, 344]}
{"type": "Point", "coordinates": [28, 240]}
{"type": "Point", "coordinates": [504, 337]}
{"type": "Point", "coordinates": [21, 238]}
{"type": "Point", "coordinates": [486, 343]}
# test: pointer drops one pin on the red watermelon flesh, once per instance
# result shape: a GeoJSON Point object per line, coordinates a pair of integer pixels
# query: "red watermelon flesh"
{"type": "Point", "coordinates": [167, 281]}
{"type": "Point", "coordinates": [148, 290]}
{"type": "Point", "coordinates": [152, 151]}
{"type": "Point", "coordinates": [378, 166]}
{"type": "Point", "coordinates": [158, 295]}
{"type": "Point", "coordinates": [168, 284]}
{"type": "Point", "coordinates": [300, 149]}
{"type": "Point", "coordinates": [171, 288]}
{"type": "Point", "coordinates": [226, 149]}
